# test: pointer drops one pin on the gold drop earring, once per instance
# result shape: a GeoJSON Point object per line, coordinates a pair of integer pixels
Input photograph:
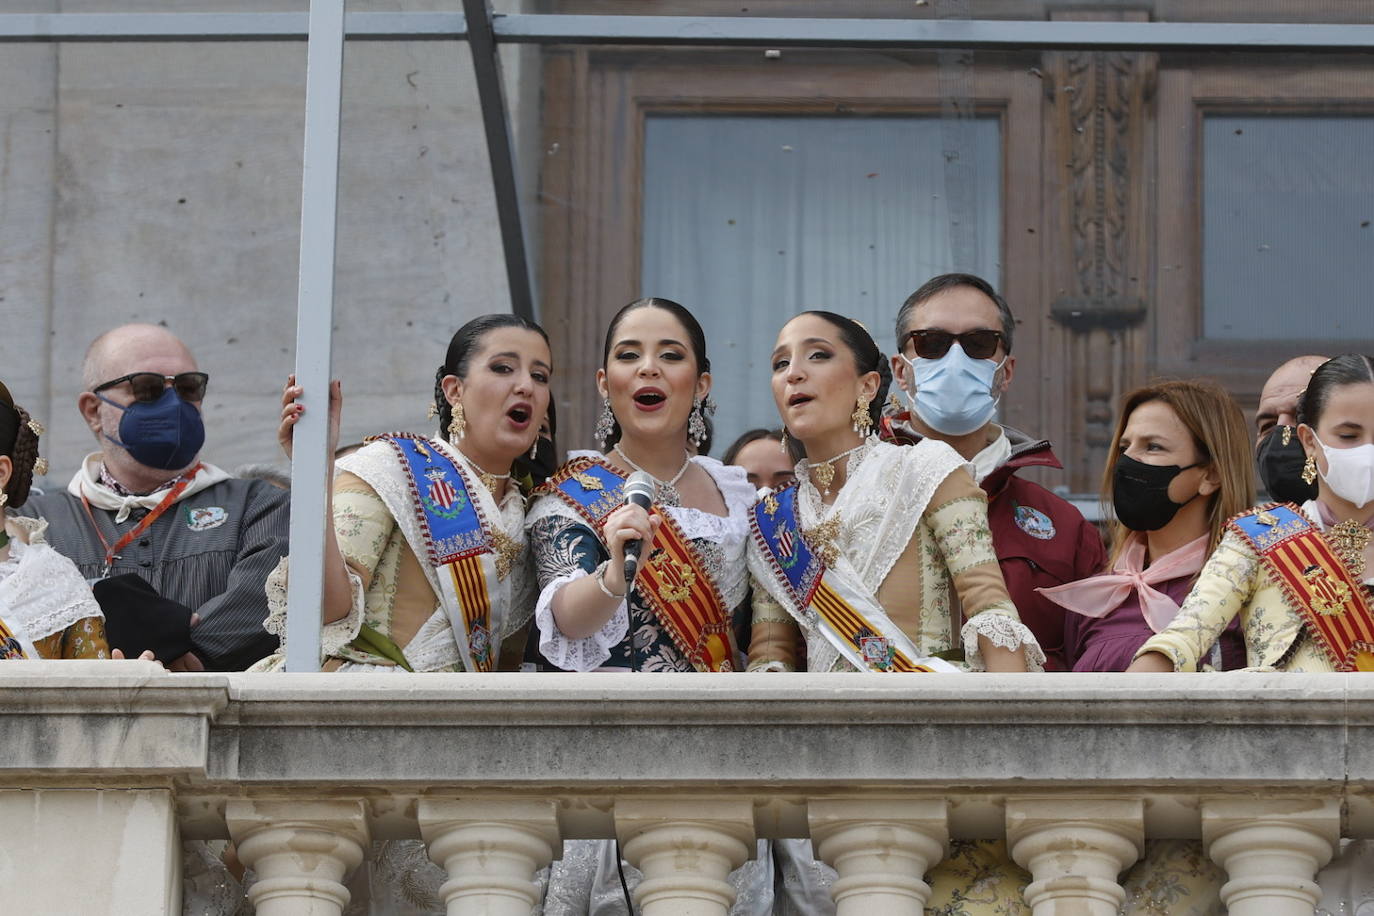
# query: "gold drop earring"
{"type": "Point", "coordinates": [458, 425]}
{"type": "Point", "coordinates": [1309, 470]}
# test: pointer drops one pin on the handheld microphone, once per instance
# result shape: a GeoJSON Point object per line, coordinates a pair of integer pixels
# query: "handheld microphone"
{"type": "Point", "coordinates": [639, 491]}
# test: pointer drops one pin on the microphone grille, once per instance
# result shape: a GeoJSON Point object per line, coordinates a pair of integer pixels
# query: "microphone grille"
{"type": "Point", "coordinates": [641, 482]}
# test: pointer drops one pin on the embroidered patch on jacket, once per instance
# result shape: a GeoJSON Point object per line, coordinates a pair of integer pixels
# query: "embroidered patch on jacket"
{"type": "Point", "coordinates": [203, 518]}
{"type": "Point", "coordinates": [1034, 522]}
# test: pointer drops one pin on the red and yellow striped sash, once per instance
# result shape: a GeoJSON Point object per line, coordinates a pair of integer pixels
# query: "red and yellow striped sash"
{"type": "Point", "coordinates": [1332, 603]}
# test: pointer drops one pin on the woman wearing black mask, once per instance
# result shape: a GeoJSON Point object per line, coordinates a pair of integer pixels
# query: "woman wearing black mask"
{"type": "Point", "coordinates": [1180, 467]}
{"type": "Point", "coordinates": [1298, 579]}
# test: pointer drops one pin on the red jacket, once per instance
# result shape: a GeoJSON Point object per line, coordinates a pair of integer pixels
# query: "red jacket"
{"type": "Point", "coordinates": [1041, 539]}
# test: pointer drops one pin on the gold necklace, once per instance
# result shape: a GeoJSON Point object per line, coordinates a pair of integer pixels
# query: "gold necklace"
{"type": "Point", "coordinates": [823, 472]}
{"type": "Point", "coordinates": [489, 480]}
{"type": "Point", "coordinates": [1349, 539]}
{"type": "Point", "coordinates": [667, 489]}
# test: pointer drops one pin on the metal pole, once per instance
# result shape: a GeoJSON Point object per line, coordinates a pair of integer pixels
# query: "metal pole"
{"type": "Point", "coordinates": [311, 463]}
{"type": "Point", "coordinates": [486, 68]}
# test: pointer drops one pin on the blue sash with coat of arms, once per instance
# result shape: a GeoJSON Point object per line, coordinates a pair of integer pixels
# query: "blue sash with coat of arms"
{"type": "Point", "coordinates": [457, 544]}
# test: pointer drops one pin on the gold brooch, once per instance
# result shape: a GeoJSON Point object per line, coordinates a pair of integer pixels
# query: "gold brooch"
{"type": "Point", "coordinates": [587, 481]}
{"type": "Point", "coordinates": [507, 551]}
{"type": "Point", "coordinates": [822, 539]}
{"type": "Point", "coordinates": [1267, 518]}
{"type": "Point", "coordinates": [770, 505]}
{"type": "Point", "coordinates": [1349, 539]}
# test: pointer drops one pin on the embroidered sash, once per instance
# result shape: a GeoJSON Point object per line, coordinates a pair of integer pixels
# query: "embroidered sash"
{"type": "Point", "coordinates": [673, 581]}
{"type": "Point", "coordinates": [1315, 581]}
{"type": "Point", "coordinates": [458, 545]}
{"type": "Point", "coordinates": [9, 646]}
{"type": "Point", "coordinates": [848, 617]}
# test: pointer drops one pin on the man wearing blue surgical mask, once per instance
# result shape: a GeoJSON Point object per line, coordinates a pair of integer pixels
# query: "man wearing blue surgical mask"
{"type": "Point", "coordinates": [952, 367]}
{"type": "Point", "coordinates": [175, 548]}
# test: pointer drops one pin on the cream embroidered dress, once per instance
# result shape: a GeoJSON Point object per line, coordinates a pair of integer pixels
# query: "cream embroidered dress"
{"type": "Point", "coordinates": [910, 527]}
{"type": "Point", "coordinates": [1235, 581]}
{"type": "Point", "coordinates": [394, 592]}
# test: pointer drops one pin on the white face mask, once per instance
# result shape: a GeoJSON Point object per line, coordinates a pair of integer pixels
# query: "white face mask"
{"type": "Point", "coordinates": [1350, 472]}
{"type": "Point", "coordinates": [953, 393]}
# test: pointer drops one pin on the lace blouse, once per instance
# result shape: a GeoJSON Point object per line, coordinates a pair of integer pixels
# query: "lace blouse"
{"type": "Point", "coordinates": [910, 525]}
{"type": "Point", "coordinates": [47, 602]}
{"type": "Point", "coordinates": [566, 549]}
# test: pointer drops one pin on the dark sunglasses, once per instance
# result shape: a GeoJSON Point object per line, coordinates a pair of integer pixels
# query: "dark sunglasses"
{"type": "Point", "coordinates": [933, 344]}
{"type": "Point", "coordinates": [148, 386]}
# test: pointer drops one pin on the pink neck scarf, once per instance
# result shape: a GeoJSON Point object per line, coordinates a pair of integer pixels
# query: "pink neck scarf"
{"type": "Point", "coordinates": [1098, 596]}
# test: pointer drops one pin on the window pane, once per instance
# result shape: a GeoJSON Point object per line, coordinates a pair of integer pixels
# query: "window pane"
{"type": "Point", "coordinates": [749, 220]}
{"type": "Point", "coordinates": [1288, 245]}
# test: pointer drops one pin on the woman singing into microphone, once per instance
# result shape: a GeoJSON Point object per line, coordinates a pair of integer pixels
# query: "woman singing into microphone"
{"type": "Point", "coordinates": [692, 581]}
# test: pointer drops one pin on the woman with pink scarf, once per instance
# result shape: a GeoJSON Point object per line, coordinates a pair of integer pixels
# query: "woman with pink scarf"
{"type": "Point", "coordinates": [1180, 468]}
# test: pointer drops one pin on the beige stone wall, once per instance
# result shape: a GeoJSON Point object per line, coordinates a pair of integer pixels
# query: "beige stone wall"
{"type": "Point", "coordinates": [161, 182]}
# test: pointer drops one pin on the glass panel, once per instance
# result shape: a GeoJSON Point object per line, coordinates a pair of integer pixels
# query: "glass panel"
{"type": "Point", "coordinates": [749, 220]}
{"type": "Point", "coordinates": [1288, 227]}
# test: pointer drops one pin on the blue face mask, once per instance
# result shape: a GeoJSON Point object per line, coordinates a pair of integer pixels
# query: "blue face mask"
{"type": "Point", "coordinates": [953, 393]}
{"type": "Point", "coordinates": [166, 434]}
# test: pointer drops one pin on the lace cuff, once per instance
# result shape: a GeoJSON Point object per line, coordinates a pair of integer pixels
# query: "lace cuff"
{"type": "Point", "coordinates": [333, 636]}
{"type": "Point", "coordinates": [762, 665]}
{"type": "Point", "coordinates": [577, 654]}
{"type": "Point", "coordinates": [1003, 630]}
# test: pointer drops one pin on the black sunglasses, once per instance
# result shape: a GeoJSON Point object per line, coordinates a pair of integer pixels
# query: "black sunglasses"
{"type": "Point", "coordinates": [933, 344]}
{"type": "Point", "coordinates": [148, 386]}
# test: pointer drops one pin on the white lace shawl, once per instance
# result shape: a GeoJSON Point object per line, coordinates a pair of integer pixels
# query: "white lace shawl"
{"type": "Point", "coordinates": [730, 531]}
{"type": "Point", "coordinates": [42, 591]}
{"type": "Point", "coordinates": [880, 504]}
{"type": "Point", "coordinates": [434, 645]}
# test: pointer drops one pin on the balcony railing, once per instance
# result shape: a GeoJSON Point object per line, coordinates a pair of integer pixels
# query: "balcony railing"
{"type": "Point", "coordinates": [106, 765]}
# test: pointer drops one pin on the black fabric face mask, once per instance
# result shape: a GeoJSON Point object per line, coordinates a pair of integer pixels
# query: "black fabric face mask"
{"type": "Point", "coordinates": [1140, 493]}
{"type": "Point", "coordinates": [1279, 460]}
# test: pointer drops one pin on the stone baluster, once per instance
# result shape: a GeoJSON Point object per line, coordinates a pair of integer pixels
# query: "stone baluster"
{"type": "Point", "coordinates": [1075, 849]}
{"type": "Point", "coordinates": [491, 848]}
{"type": "Point", "coordinates": [686, 848]}
{"type": "Point", "coordinates": [881, 848]}
{"type": "Point", "coordinates": [1271, 850]}
{"type": "Point", "coordinates": [300, 850]}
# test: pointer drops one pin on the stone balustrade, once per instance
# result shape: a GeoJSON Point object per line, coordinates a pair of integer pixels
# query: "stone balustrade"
{"type": "Point", "coordinates": [105, 767]}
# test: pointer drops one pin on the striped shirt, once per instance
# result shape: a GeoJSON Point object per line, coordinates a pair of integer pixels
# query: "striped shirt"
{"type": "Point", "coordinates": [212, 552]}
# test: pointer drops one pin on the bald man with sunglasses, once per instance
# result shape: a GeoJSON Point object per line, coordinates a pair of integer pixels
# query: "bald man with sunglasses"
{"type": "Point", "coordinates": [200, 542]}
{"type": "Point", "coordinates": [952, 367]}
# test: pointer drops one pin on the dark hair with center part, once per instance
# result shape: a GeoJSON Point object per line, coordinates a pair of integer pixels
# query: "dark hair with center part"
{"type": "Point", "coordinates": [695, 336]}
{"type": "Point", "coordinates": [747, 438]}
{"type": "Point", "coordinates": [464, 345]}
{"type": "Point", "coordinates": [867, 357]}
{"type": "Point", "coordinates": [1347, 369]}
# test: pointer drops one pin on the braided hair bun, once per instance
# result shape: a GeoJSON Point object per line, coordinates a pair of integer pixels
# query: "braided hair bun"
{"type": "Point", "coordinates": [19, 442]}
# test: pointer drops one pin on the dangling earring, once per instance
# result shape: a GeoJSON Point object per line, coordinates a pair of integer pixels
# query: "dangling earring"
{"type": "Point", "coordinates": [1309, 470]}
{"type": "Point", "coordinates": [458, 425]}
{"type": "Point", "coordinates": [860, 419]}
{"type": "Point", "coordinates": [696, 424]}
{"type": "Point", "coordinates": [605, 423]}
{"type": "Point", "coordinates": [782, 443]}
{"type": "Point", "coordinates": [4, 498]}
{"type": "Point", "coordinates": [534, 447]}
